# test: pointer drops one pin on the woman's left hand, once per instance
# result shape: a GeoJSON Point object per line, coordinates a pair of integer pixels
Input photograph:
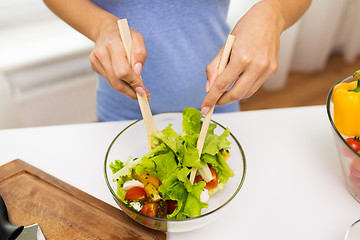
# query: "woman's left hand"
{"type": "Point", "coordinates": [254, 57]}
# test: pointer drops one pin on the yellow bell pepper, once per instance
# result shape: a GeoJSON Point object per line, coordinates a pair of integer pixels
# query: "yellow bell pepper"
{"type": "Point", "coordinates": [146, 178]}
{"type": "Point", "coordinates": [152, 193]}
{"type": "Point", "coordinates": [225, 154]}
{"type": "Point", "coordinates": [346, 100]}
{"type": "Point", "coordinates": [151, 184]}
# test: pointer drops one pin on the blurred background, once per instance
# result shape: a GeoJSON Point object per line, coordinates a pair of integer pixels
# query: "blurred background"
{"type": "Point", "coordinates": [46, 77]}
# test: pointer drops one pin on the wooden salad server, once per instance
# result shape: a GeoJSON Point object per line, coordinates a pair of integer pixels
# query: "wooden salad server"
{"type": "Point", "coordinates": [150, 125]}
{"type": "Point", "coordinates": [204, 170]}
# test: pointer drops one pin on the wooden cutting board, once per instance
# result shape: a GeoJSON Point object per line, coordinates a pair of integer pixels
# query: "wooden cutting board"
{"type": "Point", "coordinates": [63, 211]}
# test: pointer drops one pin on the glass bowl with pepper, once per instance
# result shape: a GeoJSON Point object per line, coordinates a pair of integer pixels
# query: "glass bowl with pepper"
{"type": "Point", "coordinates": [343, 109]}
{"type": "Point", "coordinates": [153, 187]}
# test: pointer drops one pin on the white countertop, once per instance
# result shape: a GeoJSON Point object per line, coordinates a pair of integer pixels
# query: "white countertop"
{"type": "Point", "coordinates": [294, 188]}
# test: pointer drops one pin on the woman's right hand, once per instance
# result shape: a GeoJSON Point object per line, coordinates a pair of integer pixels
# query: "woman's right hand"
{"type": "Point", "coordinates": [109, 59]}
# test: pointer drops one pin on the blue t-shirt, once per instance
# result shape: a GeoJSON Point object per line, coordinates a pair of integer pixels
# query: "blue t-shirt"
{"type": "Point", "coordinates": [181, 38]}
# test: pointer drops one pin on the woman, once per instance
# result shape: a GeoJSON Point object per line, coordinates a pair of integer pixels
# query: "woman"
{"type": "Point", "coordinates": [176, 48]}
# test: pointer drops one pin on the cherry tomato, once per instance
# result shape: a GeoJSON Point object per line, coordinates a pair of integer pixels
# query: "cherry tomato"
{"type": "Point", "coordinates": [163, 209]}
{"type": "Point", "coordinates": [172, 205]}
{"type": "Point", "coordinates": [213, 183]}
{"type": "Point", "coordinates": [354, 143]}
{"type": "Point", "coordinates": [155, 209]}
{"type": "Point", "coordinates": [135, 193]}
{"type": "Point", "coordinates": [150, 209]}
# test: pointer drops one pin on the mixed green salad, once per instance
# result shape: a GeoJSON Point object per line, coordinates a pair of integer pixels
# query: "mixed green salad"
{"type": "Point", "coordinates": [158, 185]}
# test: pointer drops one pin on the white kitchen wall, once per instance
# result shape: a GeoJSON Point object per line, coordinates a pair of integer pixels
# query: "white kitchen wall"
{"type": "Point", "coordinates": [328, 26]}
{"type": "Point", "coordinates": [45, 73]}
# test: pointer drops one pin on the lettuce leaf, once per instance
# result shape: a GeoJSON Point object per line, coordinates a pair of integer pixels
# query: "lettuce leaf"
{"type": "Point", "coordinates": [172, 189]}
{"type": "Point", "coordinates": [213, 143]}
{"type": "Point", "coordinates": [126, 171]}
{"type": "Point", "coordinates": [222, 169]}
{"type": "Point", "coordinates": [167, 136]}
{"type": "Point", "coordinates": [190, 155]}
{"type": "Point", "coordinates": [191, 124]}
{"type": "Point", "coordinates": [179, 188]}
{"type": "Point", "coordinates": [161, 166]}
{"type": "Point", "coordinates": [193, 205]}
{"type": "Point", "coordinates": [122, 173]}
{"type": "Point", "coordinates": [116, 166]}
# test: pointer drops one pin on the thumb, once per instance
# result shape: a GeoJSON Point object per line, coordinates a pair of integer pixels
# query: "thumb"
{"type": "Point", "coordinates": [138, 52]}
{"type": "Point", "coordinates": [138, 56]}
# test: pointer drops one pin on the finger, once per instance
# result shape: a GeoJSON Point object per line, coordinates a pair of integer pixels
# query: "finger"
{"type": "Point", "coordinates": [104, 59]}
{"type": "Point", "coordinates": [122, 87]}
{"type": "Point", "coordinates": [121, 69]}
{"type": "Point", "coordinates": [96, 65]}
{"type": "Point", "coordinates": [138, 53]}
{"type": "Point", "coordinates": [222, 83]}
{"type": "Point", "coordinates": [120, 64]}
{"type": "Point", "coordinates": [241, 87]}
{"type": "Point", "coordinates": [250, 81]}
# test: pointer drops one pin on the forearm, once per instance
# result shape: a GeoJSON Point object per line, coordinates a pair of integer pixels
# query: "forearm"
{"type": "Point", "coordinates": [290, 11]}
{"type": "Point", "coordinates": [82, 15]}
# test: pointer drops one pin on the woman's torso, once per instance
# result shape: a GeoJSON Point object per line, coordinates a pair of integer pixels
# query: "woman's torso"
{"type": "Point", "coordinates": [181, 38]}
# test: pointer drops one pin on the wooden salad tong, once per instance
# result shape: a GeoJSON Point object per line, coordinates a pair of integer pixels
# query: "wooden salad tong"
{"type": "Point", "coordinates": [204, 170]}
{"type": "Point", "coordinates": [150, 125]}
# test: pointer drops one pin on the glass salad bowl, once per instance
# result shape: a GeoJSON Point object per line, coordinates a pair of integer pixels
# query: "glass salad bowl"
{"type": "Point", "coordinates": [132, 141]}
{"type": "Point", "coordinates": [349, 158]}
